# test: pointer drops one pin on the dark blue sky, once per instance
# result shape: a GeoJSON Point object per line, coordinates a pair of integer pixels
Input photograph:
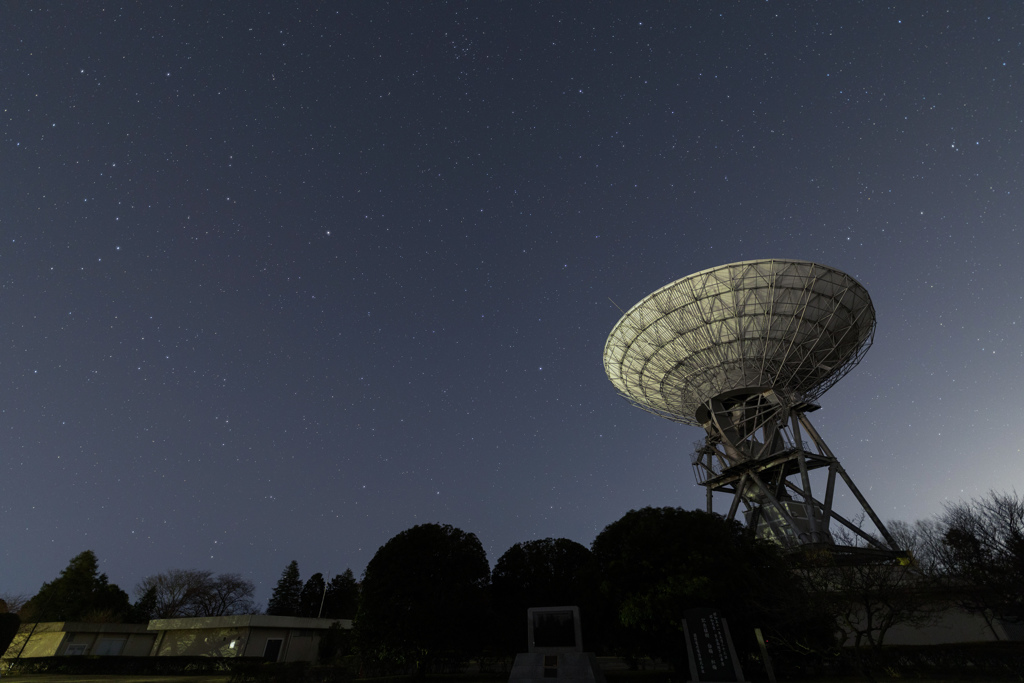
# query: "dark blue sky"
{"type": "Point", "coordinates": [278, 281]}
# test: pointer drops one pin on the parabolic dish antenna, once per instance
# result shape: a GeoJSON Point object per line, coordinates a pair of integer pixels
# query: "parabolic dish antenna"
{"type": "Point", "coordinates": [743, 350]}
{"type": "Point", "coordinates": [792, 326]}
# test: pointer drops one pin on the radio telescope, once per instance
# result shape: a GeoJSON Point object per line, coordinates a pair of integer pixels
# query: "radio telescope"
{"type": "Point", "coordinates": [743, 350]}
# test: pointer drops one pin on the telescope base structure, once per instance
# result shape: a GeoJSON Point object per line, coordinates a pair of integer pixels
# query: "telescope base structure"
{"type": "Point", "coordinates": [754, 452]}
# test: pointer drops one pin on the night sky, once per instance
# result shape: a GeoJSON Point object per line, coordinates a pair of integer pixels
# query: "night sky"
{"type": "Point", "coordinates": [278, 281]}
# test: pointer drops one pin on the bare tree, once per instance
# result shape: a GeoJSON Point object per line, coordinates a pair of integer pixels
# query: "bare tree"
{"type": "Point", "coordinates": [868, 598]}
{"type": "Point", "coordinates": [177, 591]}
{"type": "Point", "coordinates": [922, 540]}
{"type": "Point", "coordinates": [12, 602]}
{"type": "Point", "coordinates": [873, 597]}
{"type": "Point", "coordinates": [982, 555]}
{"type": "Point", "coordinates": [197, 593]}
{"type": "Point", "coordinates": [228, 594]}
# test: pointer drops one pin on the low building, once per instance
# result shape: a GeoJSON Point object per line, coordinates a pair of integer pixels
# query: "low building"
{"type": "Point", "coordinates": [276, 639]}
{"type": "Point", "coordinates": [60, 638]}
{"type": "Point", "coordinates": [951, 624]}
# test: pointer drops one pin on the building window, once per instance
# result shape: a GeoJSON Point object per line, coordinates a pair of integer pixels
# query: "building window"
{"type": "Point", "coordinates": [111, 646]}
{"type": "Point", "coordinates": [273, 649]}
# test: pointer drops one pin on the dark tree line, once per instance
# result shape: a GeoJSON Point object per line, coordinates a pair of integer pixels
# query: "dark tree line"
{"type": "Point", "coordinates": [645, 570]}
{"type": "Point", "coordinates": [429, 600]}
{"type": "Point", "coordinates": [336, 599]}
{"type": "Point", "coordinates": [82, 593]}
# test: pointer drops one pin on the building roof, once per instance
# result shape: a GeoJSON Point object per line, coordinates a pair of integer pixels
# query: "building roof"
{"type": "Point", "coordinates": [245, 621]}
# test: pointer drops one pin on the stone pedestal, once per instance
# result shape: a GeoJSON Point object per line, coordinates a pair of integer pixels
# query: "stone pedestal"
{"type": "Point", "coordinates": [534, 667]}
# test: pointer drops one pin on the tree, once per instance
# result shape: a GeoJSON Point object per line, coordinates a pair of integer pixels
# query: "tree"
{"type": "Point", "coordinates": [227, 594]}
{"type": "Point", "coordinates": [423, 599]}
{"type": "Point", "coordinates": [923, 542]}
{"type": "Point", "coordinates": [543, 573]}
{"type": "Point", "coordinates": [79, 593]}
{"type": "Point", "coordinates": [180, 593]}
{"type": "Point", "coordinates": [313, 596]}
{"type": "Point", "coordinates": [868, 598]}
{"type": "Point", "coordinates": [660, 562]}
{"type": "Point", "coordinates": [12, 602]}
{"type": "Point", "coordinates": [176, 592]}
{"type": "Point", "coordinates": [342, 599]}
{"type": "Point", "coordinates": [145, 606]}
{"type": "Point", "coordinates": [867, 595]}
{"type": "Point", "coordinates": [335, 645]}
{"type": "Point", "coordinates": [9, 623]}
{"type": "Point", "coordinates": [983, 555]}
{"type": "Point", "coordinates": [285, 600]}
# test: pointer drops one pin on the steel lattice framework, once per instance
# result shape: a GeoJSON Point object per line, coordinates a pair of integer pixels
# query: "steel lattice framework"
{"type": "Point", "coordinates": [743, 350]}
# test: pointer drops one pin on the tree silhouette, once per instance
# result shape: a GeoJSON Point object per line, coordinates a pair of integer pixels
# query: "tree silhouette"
{"type": "Point", "coordinates": [312, 596]}
{"type": "Point", "coordinates": [342, 599]}
{"type": "Point", "coordinates": [145, 606]}
{"type": "Point", "coordinates": [79, 593]}
{"type": "Point", "coordinates": [194, 593]}
{"type": "Point", "coordinates": [867, 599]}
{"type": "Point", "coordinates": [982, 554]}
{"type": "Point", "coordinates": [423, 599]}
{"type": "Point", "coordinates": [659, 562]}
{"type": "Point", "coordinates": [9, 623]}
{"type": "Point", "coordinates": [285, 601]}
{"type": "Point", "coordinates": [227, 594]}
{"type": "Point", "coordinates": [543, 573]}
